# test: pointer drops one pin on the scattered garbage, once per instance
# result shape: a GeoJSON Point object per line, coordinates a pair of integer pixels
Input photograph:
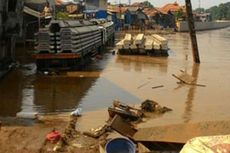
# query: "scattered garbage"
{"type": "Point", "coordinates": [152, 106]}
{"type": "Point", "coordinates": [27, 115]}
{"type": "Point", "coordinates": [77, 112]}
{"type": "Point", "coordinates": [123, 127]}
{"type": "Point", "coordinates": [54, 136]}
{"type": "Point", "coordinates": [68, 135]}
{"type": "Point", "coordinates": [77, 145]}
{"type": "Point", "coordinates": [187, 79]}
{"type": "Point", "coordinates": [120, 145]}
{"type": "Point", "coordinates": [96, 133]}
{"type": "Point", "coordinates": [126, 111]}
{"type": "Point", "coordinates": [122, 119]}
{"type": "Point", "coordinates": [144, 84]}
{"type": "Point", "coordinates": [160, 86]}
{"type": "Point", "coordinates": [121, 115]}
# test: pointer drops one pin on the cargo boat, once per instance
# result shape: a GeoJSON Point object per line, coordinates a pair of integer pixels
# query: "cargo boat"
{"type": "Point", "coordinates": [69, 44]}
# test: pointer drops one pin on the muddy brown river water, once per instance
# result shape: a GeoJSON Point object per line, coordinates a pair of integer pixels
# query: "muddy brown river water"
{"type": "Point", "coordinates": [130, 79]}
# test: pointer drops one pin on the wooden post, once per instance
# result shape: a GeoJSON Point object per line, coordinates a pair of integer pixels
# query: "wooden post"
{"type": "Point", "coordinates": [192, 31]}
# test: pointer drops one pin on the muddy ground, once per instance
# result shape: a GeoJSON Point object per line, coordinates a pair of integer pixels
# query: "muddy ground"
{"type": "Point", "coordinates": [28, 136]}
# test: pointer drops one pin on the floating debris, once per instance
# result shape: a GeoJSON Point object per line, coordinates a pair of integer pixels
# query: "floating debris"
{"type": "Point", "coordinates": [182, 80]}
{"type": "Point", "coordinates": [160, 86]}
{"type": "Point", "coordinates": [77, 112]}
{"type": "Point", "coordinates": [152, 106]}
{"type": "Point", "coordinates": [144, 84]}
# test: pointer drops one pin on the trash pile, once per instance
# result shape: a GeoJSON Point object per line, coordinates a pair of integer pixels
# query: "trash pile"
{"type": "Point", "coordinates": [122, 120]}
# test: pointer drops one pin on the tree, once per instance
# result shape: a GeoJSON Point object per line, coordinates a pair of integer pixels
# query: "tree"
{"type": "Point", "coordinates": [179, 14]}
{"type": "Point", "coordinates": [147, 4]}
{"type": "Point", "coordinates": [220, 12]}
{"type": "Point", "coordinates": [199, 10]}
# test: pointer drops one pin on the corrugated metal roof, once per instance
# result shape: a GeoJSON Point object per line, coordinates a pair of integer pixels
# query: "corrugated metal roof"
{"type": "Point", "coordinates": [173, 7]}
{"type": "Point", "coordinates": [116, 9]}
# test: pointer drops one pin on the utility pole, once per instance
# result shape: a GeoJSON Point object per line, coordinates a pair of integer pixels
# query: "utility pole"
{"type": "Point", "coordinates": [196, 57]}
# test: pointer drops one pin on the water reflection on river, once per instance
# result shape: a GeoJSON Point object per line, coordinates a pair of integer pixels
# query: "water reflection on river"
{"type": "Point", "coordinates": [130, 79]}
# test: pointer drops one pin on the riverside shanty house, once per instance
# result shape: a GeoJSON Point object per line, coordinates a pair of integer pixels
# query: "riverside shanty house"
{"type": "Point", "coordinates": [126, 17]}
{"type": "Point", "coordinates": [170, 11]}
{"type": "Point", "coordinates": [138, 16]}
{"type": "Point", "coordinates": [97, 6]}
{"type": "Point", "coordinates": [117, 14]}
{"type": "Point", "coordinates": [164, 16]}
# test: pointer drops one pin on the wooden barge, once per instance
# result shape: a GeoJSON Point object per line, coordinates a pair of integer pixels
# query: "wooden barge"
{"type": "Point", "coordinates": [143, 44]}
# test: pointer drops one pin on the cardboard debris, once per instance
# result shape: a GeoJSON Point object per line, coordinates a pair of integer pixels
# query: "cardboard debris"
{"type": "Point", "coordinates": [152, 106]}
{"type": "Point", "coordinates": [127, 112]}
{"type": "Point", "coordinates": [96, 133]}
{"type": "Point", "coordinates": [121, 126]}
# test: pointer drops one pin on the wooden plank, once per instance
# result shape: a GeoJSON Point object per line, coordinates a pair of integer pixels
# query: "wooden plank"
{"type": "Point", "coordinates": [128, 39]}
{"type": "Point", "coordinates": [164, 47]}
{"type": "Point", "coordinates": [133, 46]}
{"type": "Point", "coordinates": [122, 127]}
{"type": "Point", "coordinates": [156, 46]}
{"type": "Point", "coordinates": [159, 39]}
{"type": "Point", "coordinates": [183, 80]}
{"type": "Point", "coordinates": [139, 39]}
{"type": "Point", "coordinates": [126, 46]}
{"type": "Point", "coordinates": [148, 43]}
{"type": "Point", "coordinates": [120, 44]}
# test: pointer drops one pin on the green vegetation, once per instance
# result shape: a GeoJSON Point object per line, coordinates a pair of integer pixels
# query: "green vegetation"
{"type": "Point", "coordinates": [147, 4]}
{"type": "Point", "coordinates": [179, 14]}
{"type": "Point", "coordinates": [62, 15]}
{"type": "Point", "coordinates": [199, 10]}
{"type": "Point", "coordinates": [221, 12]}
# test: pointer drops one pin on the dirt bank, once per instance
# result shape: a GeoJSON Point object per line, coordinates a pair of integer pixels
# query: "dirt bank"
{"type": "Point", "coordinates": [28, 136]}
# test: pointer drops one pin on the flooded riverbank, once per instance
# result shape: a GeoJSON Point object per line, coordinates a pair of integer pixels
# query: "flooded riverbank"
{"type": "Point", "coordinates": [130, 79]}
